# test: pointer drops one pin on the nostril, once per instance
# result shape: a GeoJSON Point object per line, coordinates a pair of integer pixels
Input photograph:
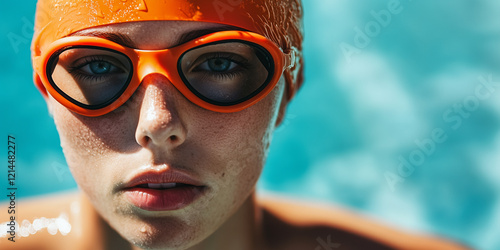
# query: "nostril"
{"type": "Point", "coordinates": [144, 141]}
{"type": "Point", "coordinates": [174, 138]}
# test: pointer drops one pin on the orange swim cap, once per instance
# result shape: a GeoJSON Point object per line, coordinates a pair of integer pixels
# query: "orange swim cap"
{"type": "Point", "coordinates": [279, 21]}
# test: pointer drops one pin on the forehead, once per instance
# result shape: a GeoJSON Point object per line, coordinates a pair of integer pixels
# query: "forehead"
{"type": "Point", "coordinates": [155, 34]}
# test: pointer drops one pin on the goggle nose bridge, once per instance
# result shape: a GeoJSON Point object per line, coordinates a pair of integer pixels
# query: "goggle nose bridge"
{"type": "Point", "coordinates": [155, 61]}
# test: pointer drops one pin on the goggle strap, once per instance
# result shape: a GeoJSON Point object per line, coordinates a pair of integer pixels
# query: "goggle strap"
{"type": "Point", "coordinates": [290, 58]}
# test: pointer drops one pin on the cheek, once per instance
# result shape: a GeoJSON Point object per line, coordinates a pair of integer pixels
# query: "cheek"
{"type": "Point", "coordinates": [241, 141]}
{"type": "Point", "coordinates": [90, 143]}
{"type": "Point", "coordinates": [91, 138]}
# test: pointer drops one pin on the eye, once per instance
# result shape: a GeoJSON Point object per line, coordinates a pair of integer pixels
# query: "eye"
{"type": "Point", "coordinates": [99, 68]}
{"type": "Point", "coordinates": [218, 65]}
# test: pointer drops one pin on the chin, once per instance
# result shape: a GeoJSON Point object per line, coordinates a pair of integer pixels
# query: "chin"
{"type": "Point", "coordinates": [161, 232]}
{"type": "Point", "coordinates": [179, 229]}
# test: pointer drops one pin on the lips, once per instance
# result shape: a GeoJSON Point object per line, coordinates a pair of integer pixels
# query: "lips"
{"type": "Point", "coordinates": [162, 190]}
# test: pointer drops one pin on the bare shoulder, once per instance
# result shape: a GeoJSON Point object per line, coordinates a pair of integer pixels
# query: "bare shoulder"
{"type": "Point", "coordinates": [42, 222]}
{"type": "Point", "coordinates": [290, 224]}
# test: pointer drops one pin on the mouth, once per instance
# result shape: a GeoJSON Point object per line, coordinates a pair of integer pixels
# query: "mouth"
{"type": "Point", "coordinates": [162, 190]}
{"type": "Point", "coordinates": [163, 186]}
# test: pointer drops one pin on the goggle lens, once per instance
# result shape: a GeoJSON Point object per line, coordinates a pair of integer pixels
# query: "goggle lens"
{"type": "Point", "coordinates": [90, 77]}
{"type": "Point", "coordinates": [226, 73]}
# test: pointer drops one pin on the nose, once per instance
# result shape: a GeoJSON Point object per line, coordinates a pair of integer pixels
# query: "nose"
{"type": "Point", "coordinates": [159, 124]}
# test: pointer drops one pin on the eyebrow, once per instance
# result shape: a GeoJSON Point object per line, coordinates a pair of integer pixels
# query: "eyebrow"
{"type": "Point", "coordinates": [114, 37]}
{"type": "Point", "coordinates": [126, 41]}
{"type": "Point", "coordinates": [186, 37]}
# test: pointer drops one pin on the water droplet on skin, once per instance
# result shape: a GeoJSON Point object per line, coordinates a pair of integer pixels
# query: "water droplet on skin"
{"type": "Point", "coordinates": [24, 232]}
{"type": "Point", "coordinates": [52, 228]}
{"type": "Point", "coordinates": [31, 229]}
{"type": "Point", "coordinates": [37, 224]}
{"type": "Point", "coordinates": [25, 223]}
{"type": "Point", "coordinates": [44, 221]}
{"type": "Point", "coordinates": [63, 226]}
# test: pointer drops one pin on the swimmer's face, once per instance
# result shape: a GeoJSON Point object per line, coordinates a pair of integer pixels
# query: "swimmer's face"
{"type": "Point", "coordinates": [157, 131]}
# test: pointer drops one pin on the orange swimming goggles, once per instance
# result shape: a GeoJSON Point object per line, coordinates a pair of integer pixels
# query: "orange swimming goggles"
{"type": "Point", "coordinates": [225, 71]}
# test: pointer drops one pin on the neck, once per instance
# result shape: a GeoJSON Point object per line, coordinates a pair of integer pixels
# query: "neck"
{"type": "Point", "coordinates": [241, 231]}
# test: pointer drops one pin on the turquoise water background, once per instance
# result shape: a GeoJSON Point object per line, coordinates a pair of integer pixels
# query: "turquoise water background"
{"type": "Point", "coordinates": [398, 118]}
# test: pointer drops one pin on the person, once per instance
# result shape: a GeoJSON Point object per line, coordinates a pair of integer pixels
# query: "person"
{"type": "Point", "coordinates": [165, 111]}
